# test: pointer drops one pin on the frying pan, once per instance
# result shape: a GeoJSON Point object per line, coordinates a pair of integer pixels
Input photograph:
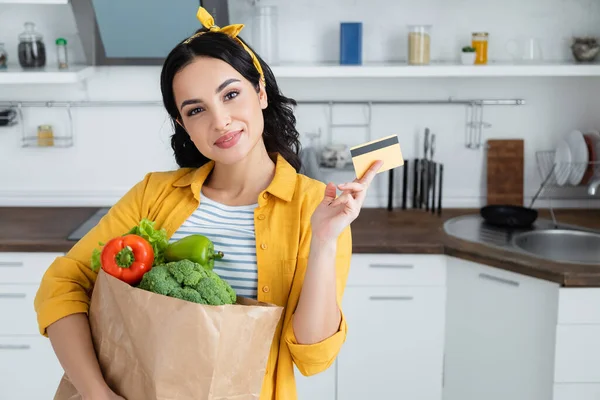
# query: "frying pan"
{"type": "Point", "coordinates": [509, 216]}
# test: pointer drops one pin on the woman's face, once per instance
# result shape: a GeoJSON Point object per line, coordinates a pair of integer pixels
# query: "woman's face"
{"type": "Point", "coordinates": [220, 109]}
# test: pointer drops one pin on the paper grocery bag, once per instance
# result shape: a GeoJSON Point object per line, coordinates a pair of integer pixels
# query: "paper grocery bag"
{"type": "Point", "coordinates": [151, 346]}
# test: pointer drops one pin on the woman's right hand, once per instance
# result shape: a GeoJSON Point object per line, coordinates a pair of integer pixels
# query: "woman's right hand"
{"type": "Point", "coordinates": [107, 394]}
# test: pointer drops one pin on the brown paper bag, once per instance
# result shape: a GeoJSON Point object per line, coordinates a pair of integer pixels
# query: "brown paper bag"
{"type": "Point", "coordinates": [152, 346]}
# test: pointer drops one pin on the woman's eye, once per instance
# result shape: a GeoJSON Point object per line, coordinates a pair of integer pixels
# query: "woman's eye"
{"type": "Point", "coordinates": [231, 95]}
{"type": "Point", "coordinates": [194, 111]}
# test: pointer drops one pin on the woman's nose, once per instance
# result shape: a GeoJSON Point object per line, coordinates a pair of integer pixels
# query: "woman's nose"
{"type": "Point", "coordinates": [222, 118]}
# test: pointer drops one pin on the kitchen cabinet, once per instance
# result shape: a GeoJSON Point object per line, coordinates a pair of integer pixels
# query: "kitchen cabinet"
{"type": "Point", "coordinates": [394, 305]}
{"type": "Point", "coordinates": [316, 387]}
{"type": "Point", "coordinates": [501, 334]}
{"type": "Point", "coordinates": [29, 368]}
{"type": "Point", "coordinates": [26, 357]}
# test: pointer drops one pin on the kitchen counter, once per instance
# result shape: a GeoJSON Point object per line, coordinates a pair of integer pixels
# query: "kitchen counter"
{"type": "Point", "coordinates": [36, 229]}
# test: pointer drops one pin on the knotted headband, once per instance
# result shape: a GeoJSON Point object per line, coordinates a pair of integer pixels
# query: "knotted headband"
{"type": "Point", "coordinates": [230, 30]}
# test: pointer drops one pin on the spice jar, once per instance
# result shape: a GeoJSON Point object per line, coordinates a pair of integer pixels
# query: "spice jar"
{"type": "Point", "coordinates": [3, 56]}
{"type": "Point", "coordinates": [45, 136]}
{"type": "Point", "coordinates": [32, 51]}
{"type": "Point", "coordinates": [61, 53]}
{"type": "Point", "coordinates": [419, 44]}
{"type": "Point", "coordinates": [480, 44]}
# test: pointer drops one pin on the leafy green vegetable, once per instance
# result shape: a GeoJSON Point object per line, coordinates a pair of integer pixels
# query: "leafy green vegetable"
{"type": "Point", "coordinates": [157, 238]}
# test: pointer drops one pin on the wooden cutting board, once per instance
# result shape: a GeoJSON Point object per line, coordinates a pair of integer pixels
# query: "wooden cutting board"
{"type": "Point", "coordinates": [505, 172]}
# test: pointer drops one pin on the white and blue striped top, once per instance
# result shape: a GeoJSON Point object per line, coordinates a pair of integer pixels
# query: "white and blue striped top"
{"type": "Point", "coordinates": [231, 229]}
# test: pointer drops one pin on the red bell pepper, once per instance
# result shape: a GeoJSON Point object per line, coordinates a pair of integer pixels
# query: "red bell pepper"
{"type": "Point", "coordinates": [127, 258]}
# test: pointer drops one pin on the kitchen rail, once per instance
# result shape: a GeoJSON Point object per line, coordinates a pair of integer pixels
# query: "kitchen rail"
{"type": "Point", "coordinates": [473, 126]}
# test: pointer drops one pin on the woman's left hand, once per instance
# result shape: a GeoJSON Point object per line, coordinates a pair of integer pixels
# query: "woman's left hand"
{"type": "Point", "coordinates": [333, 214]}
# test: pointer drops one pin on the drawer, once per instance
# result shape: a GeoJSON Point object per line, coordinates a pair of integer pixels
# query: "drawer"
{"type": "Point", "coordinates": [576, 391]}
{"type": "Point", "coordinates": [577, 358]}
{"type": "Point", "coordinates": [397, 270]}
{"type": "Point", "coordinates": [25, 267]}
{"type": "Point", "coordinates": [579, 306]}
{"type": "Point", "coordinates": [30, 369]}
{"type": "Point", "coordinates": [17, 316]}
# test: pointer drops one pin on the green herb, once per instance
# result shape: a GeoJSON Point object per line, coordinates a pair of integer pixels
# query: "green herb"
{"type": "Point", "coordinates": [468, 49]}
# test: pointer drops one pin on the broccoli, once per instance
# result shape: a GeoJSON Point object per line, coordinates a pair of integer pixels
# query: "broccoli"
{"type": "Point", "coordinates": [187, 280]}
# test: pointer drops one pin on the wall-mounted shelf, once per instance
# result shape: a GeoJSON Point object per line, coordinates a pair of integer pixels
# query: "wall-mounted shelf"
{"type": "Point", "coordinates": [15, 75]}
{"type": "Point", "coordinates": [34, 1]}
{"type": "Point", "coordinates": [440, 70]}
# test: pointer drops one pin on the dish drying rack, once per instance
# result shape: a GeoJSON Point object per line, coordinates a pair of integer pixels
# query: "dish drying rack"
{"type": "Point", "coordinates": [565, 181]}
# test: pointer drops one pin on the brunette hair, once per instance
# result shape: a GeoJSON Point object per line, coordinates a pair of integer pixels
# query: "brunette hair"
{"type": "Point", "coordinates": [280, 134]}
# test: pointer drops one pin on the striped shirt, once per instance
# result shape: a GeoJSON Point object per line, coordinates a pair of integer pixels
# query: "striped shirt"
{"type": "Point", "coordinates": [231, 229]}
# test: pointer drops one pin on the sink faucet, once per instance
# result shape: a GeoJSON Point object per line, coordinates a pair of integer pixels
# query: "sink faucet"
{"type": "Point", "coordinates": [593, 187]}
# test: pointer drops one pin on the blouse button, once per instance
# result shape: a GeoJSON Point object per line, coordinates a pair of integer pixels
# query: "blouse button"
{"type": "Point", "coordinates": [266, 289]}
{"type": "Point", "coordinates": [261, 217]}
{"type": "Point", "coordinates": [263, 246]}
{"type": "Point", "coordinates": [265, 195]}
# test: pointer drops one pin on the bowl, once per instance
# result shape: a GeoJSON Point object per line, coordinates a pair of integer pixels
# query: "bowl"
{"type": "Point", "coordinates": [585, 49]}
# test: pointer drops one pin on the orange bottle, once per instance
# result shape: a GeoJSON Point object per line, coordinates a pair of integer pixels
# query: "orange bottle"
{"type": "Point", "coordinates": [480, 44]}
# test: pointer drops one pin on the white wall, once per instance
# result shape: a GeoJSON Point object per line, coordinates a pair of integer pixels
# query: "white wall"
{"type": "Point", "coordinates": [138, 137]}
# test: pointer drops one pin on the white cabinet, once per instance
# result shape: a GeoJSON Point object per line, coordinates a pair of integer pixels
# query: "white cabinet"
{"type": "Point", "coordinates": [500, 334]}
{"type": "Point", "coordinates": [395, 343]}
{"type": "Point", "coordinates": [394, 305]}
{"type": "Point", "coordinates": [29, 368]}
{"type": "Point", "coordinates": [316, 387]}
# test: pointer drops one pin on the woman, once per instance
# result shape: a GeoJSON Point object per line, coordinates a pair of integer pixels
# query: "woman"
{"type": "Point", "coordinates": [237, 146]}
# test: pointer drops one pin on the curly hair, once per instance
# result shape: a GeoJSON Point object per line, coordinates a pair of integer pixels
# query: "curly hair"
{"type": "Point", "coordinates": [279, 134]}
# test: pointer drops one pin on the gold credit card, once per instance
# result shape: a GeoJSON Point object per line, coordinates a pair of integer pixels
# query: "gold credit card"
{"type": "Point", "coordinates": [386, 149]}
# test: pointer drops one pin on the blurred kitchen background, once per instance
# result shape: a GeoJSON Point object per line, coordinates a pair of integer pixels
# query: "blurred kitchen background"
{"type": "Point", "coordinates": [96, 153]}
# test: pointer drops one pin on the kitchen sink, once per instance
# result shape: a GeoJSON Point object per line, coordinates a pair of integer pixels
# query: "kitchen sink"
{"type": "Point", "coordinates": [562, 245]}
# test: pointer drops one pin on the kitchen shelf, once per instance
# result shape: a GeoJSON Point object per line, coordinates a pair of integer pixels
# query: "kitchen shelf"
{"type": "Point", "coordinates": [34, 1]}
{"type": "Point", "coordinates": [16, 75]}
{"type": "Point", "coordinates": [442, 70]}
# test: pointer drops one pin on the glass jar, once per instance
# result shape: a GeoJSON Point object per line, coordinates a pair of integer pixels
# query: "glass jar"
{"type": "Point", "coordinates": [419, 44]}
{"type": "Point", "coordinates": [32, 51]}
{"type": "Point", "coordinates": [265, 33]}
{"type": "Point", "coordinates": [480, 44]}
{"type": "Point", "coordinates": [61, 53]}
{"type": "Point", "coordinates": [3, 56]}
{"type": "Point", "coordinates": [45, 136]}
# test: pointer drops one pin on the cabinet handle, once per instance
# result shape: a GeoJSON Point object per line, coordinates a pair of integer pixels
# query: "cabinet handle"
{"type": "Point", "coordinates": [15, 347]}
{"type": "Point", "coordinates": [11, 264]}
{"type": "Point", "coordinates": [501, 280]}
{"type": "Point", "coordinates": [12, 295]}
{"type": "Point", "coordinates": [391, 297]}
{"type": "Point", "coordinates": [395, 266]}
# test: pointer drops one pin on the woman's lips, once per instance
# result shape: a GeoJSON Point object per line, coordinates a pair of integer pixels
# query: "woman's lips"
{"type": "Point", "coordinates": [228, 140]}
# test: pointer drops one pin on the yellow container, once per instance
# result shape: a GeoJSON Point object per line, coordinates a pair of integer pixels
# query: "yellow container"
{"type": "Point", "coordinates": [45, 136]}
{"type": "Point", "coordinates": [480, 44]}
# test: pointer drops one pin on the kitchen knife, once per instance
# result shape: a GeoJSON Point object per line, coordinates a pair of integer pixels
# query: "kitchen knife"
{"type": "Point", "coordinates": [425, 171]}
{"type": "Point", "coordinates": [432, 174]}
{"type": "Point", "coordinates": [440, 189]}
{"type": "Point", "coordinates": [416, 184]}
{"type": "Point", "coordinates": [404, 184]}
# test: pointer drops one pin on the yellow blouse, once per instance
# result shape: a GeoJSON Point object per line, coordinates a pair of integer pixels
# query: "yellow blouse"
{"type": "Point", "coordinates": [283, 235]}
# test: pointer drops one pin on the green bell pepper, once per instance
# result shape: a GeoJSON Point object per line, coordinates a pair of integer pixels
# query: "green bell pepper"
{"type": "Point", "coordinates": [196, 248]}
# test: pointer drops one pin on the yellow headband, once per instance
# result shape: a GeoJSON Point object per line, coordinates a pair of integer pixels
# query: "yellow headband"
{"type": "Point", "coordinates": [230, 30]}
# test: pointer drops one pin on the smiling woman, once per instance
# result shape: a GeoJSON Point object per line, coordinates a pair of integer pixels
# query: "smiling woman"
{"type": "Point", "coordinates": [287, 237]}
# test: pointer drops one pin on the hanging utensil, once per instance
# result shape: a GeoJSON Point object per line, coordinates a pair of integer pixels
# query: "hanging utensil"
{"type": "Point", "coordinates": [424, 171]}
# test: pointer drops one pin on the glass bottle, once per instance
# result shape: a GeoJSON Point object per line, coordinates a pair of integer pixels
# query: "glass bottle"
{"type": "Point", "coordinates": [480, 44]}
{"type": "Point", "coordinates": [3, 56]}
{"type": "Point", "coordinates": [32, 51]}
{"type": "Point", "coordinates": [61, 53]}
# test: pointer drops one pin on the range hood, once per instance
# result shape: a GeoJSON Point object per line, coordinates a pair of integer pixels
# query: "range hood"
{"type": "Point", "coordinates": [138, 32]}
